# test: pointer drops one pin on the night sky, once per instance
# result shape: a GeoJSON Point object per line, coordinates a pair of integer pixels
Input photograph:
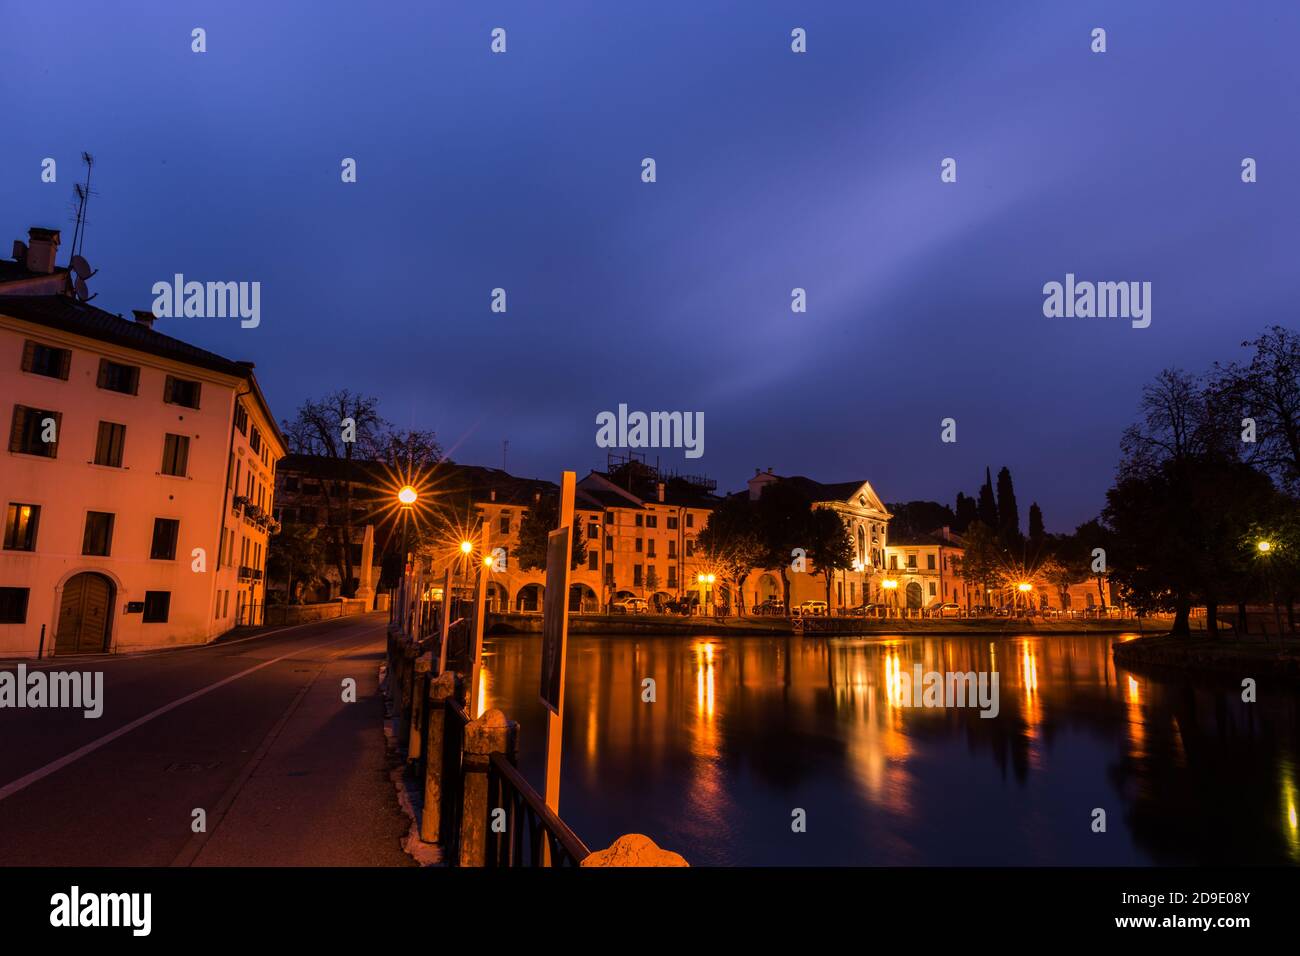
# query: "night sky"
{"type": "Point", "coordinates": [775, 170]}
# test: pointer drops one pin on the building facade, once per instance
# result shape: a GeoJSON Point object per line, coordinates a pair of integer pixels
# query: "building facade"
{"type": "Point", "coordinates": [136, 481]}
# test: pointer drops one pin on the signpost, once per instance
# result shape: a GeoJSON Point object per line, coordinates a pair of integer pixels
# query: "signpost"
{"type": "Point", "coordinates": [555, 636]}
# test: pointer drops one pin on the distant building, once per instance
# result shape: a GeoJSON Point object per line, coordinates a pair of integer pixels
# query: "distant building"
{"type": "Point", "coordinates": [927, 569]}
{"type": "Point", "coordinates": [138, 476]}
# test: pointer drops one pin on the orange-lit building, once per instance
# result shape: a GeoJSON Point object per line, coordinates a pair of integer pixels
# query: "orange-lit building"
{"type": "Point", "coordinates": [137, 480]}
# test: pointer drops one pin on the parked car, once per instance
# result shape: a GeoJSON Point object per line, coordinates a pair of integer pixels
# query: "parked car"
{"type": "Point", "coordinates": [946, 610]}
{"type": "Point", "coordinates": [773, 606]}
{"type": "Point", "coordinates": [683, 606]}
{"type": "Point", "coordinates": [630, 606]}
{"type": "Point", "coordinates": [813, 609]}
{"type": "Point", "coordinates": [866, 610]}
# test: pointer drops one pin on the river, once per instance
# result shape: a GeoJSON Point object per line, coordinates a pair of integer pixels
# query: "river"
{"type": "Point", "coordinates": [746, 732]}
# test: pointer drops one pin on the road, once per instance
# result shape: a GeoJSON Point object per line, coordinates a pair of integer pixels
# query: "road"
{"type": "Point", "coordinates": [254, 732]}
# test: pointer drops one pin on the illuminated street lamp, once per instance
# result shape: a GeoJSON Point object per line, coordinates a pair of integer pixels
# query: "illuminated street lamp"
{"type": "Point", "coordinates": [1265, 548]}
{"type": "Point", "coordinates": [890, 585]}
{"type": "Point", "coordinates": [407, 496]}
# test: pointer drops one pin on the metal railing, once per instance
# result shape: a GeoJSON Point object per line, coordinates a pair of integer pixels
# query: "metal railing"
{"type": "Point", "coordinates": [533, 835]}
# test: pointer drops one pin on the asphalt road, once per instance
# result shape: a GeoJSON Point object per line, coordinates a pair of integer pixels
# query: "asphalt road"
{"type": "Point", "coordinates": [254, 732]}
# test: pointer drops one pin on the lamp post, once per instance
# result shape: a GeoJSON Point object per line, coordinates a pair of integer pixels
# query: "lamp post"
{"type": "Point", "coordinates": [891, 586]}
{"type": "Point", "coordinates": [1024, 587]}
{"type": "Point", "coordinates": [1265, 548]}
{"type": "Point", "coordinates": [406, 499]}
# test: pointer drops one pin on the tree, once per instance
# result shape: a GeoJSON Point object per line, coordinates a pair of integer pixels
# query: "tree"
{"type": "Point", "coordinates": [915, 518]}
{"type": "Point", "coordinates": [983, 566]}
{"type": "Point", "coordinates": [829, 545]}
{"type": "Point", "coordinates": [732, 541]}
{"type": "Point", "coordinates": [319, 429]}
{"type": "Point", "coordinates": [534, 529]}
{"type": "Point", "coordinates": [783, 527]}
{"type": "Point", "coordinates": [296, 554]}
{"type": "Point", "coordinates": [1268, 391]}
{"type": "Point", "coordinates": [966, 512]}
{"type": "Point", "coordinates": [1008, 513]}
{"type": "Point", "coordinates": [1037, 533]}
{"type": "Point", "coordinates": [987, 509]}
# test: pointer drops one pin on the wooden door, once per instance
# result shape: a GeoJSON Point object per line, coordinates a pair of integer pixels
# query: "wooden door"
{"type": "Point", "coordinates": [83, 615]}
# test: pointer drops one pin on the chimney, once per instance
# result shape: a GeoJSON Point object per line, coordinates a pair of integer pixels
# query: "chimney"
{"type": "Point", "coordinates": [42, 247]}
{"type": "Point", "coordinates": [144, 318]}
{"type": "Point", "coordinates": [661, 492]}
{"type": "Point", "coordinates": [492, 495]}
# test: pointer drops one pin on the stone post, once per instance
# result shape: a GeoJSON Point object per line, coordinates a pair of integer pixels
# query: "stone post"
{"type": "Point", "coordinates": [366, 590]}
{"type": "Point", "coordinates": [442, 688]}
{"type": "Point", "coordinates": [491, 733]}
{"type": "Point", "coordinates": [634, 849]}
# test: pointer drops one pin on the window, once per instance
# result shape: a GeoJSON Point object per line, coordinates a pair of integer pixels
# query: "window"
{"type": "Point", "coordinates": [609, 575]}
{"type": "Point", "coordinates": [672, 548]}
{"type": "Point", "coordinates": [29, 429]}
{"type": "Point", "coordinates": [690, 521]}
{"type": "Point", "coordinates": [98, 539]}
{"type": "Point", "coordinates": [651, 521]}
{"type": "Point", "coordinates": [690, 547]}
{"type": "Point", "coordinates": [593, 531]}
{"type": "Point", "coordinates": [638, 545]}
{"type": "Point", "coordinates": [21, 522]}
{"type": "Point", "coordinates": [672, 523]}
{"type": "Point", "coordinates": [932, 591]}
{"type": "Point", "coordinates": [504, 524]}
{"type": "Point", "coordinates": [650, 548]}
{"type": "Point", "coordinates": [640, 520]}
{"type": "Point", "coordinates": [255, 441]}
{"type": "Point", "coordinates": [13, 605]}
{"type": "Point", "coordinates": [929, 561]}
{"type": "Point", "coordinates": [46, 360]}
{"type": "Point", "coordinates": [108, 447]}
{"type": "Point", "coordinates": [911, 561]}
{"type": "Point", "coordinates": [176, 455]}
{"type": "Point", "coordinates": [609, 542]}
{"type": "Point", "coordinates": [241, 418]}
{"type": "Point", "coordinates": [118, 378]}
{"type": "Point", "coordinates": [672, 576]}
{"type": "Point", "coordinates": [593, 560]}
{"type": "Point", "coordinates": [609, 517]}
{"type": "Point", "coordinates": [636, 575]}
{"type": "Point", "coordinates": [165, 532]}
{"type": "Point", "coordinates": [893, 562]}
{"type": "Point", "coordinates": [181, 391]}
{"type": "Point", "coordinates": [156, 606]}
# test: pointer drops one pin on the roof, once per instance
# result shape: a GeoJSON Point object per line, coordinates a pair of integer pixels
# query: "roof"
{"type": "Point", "coordinates": [66, 314]}
{"type": "Point", "coordinates": [927, 540]}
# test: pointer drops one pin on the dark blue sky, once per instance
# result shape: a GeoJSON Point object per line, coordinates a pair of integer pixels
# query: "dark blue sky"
{"type": "Point", "coordinates": [775, 170]}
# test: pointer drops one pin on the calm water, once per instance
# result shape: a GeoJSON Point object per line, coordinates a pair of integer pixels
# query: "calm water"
{"type": "Point", "coordinates": [745, 730]}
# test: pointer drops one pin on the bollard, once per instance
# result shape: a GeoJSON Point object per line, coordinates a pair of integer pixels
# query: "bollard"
{"type": "Point", "coordinates": [419, 694]}
{"type": "Point", "coordinates": [634, 849]}
{"type": "Point", "coordinates": [491, 733]}
{"type": "Point", "coordinates": [442, 688]}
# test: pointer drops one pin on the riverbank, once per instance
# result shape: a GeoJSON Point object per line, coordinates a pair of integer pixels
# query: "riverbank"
{"type": "Point", "coordinates": [1250, 658]}
{"type": "Point", "coordinates": [674, 624]}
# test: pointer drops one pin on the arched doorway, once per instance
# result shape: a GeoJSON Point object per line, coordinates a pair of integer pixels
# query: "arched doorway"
{"type": "Point", "coordinates": [529, 598]}
{"type": "Point", "coordinates": [84, 613]}
{"type": "Point", "coordinates": [495, 599]}
{"type": "Point", "coordinates": [914, 597]}
{"type": "Point", "coordinates": [582, 599]}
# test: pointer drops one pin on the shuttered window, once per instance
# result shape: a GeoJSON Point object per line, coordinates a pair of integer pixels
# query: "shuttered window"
{"type": "Point", "coordinates": [165, 533]}
{"type": "Point", "coordinates": [176, 455]}
{"type": "Point", "coordinates": [118, 378]}
{"type": "Point", "coordinates": [181, 391]}
{"type": "Point", "coordinates": [98, 539]}
{"type": "Point", "coordinates": [109, 445]}
{"type": "Point", "coordinates": [157, 604]}
{"type": "Point", "coordinates": [46, 360]}
{"type": "Point", "coordinates": [29, 429]}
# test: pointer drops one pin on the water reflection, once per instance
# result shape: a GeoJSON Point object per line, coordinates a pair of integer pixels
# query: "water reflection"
{"type": "Point", "coordinates": [744, 731]}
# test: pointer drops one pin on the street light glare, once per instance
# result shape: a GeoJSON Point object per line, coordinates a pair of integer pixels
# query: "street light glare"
{"type": "Point", "coordinates": [466, 547]}
{"type": "Point", "coordinates": [407, 495]}
{"type": "Point", "coordinates": [1265, 547]}
{"type": "Point", "coordinates": [1025, 587]}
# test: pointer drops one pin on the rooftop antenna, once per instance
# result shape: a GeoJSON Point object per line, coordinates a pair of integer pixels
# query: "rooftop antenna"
{"type": "Point", "coordinates": [83, 197]}
{"type": "Point", "coordinates": [505, 447]}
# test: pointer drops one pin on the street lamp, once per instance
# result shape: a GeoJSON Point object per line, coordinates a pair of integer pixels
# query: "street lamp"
{"type": "Point", "coordinates": [890, 585]}
{"type": "Point", "coordinates": [1265, 548]}
{"type": "Point", "coordinates": [407, 496]}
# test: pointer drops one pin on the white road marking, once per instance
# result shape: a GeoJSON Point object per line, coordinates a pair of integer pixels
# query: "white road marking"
{"type": "Point", "coordinates": [22, 783]}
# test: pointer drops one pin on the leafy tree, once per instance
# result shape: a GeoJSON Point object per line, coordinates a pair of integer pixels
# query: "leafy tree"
{"type": "Point", "coordinates": [983, 565]}
{"type": "Point", "coordinates": [829, 545]}
{"type": "Point", "coordinates": [966, 512]}
{"type": "Point", "coordinates": [915, 518]}
{"type": "Point", "coordinates": [534, 529]}
{"type": "Point", "coordinates": [782, 522]}
{"type": "Point", "coordinates": [1037, 533]}
{"type": "Point", "coordinates": [733, 542]}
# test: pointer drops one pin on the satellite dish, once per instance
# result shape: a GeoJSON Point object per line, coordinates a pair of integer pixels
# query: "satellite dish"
{"type": "Point", "coordinates": [79, 286]}
{"type": "Point", "coordinates": [81, 267]}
